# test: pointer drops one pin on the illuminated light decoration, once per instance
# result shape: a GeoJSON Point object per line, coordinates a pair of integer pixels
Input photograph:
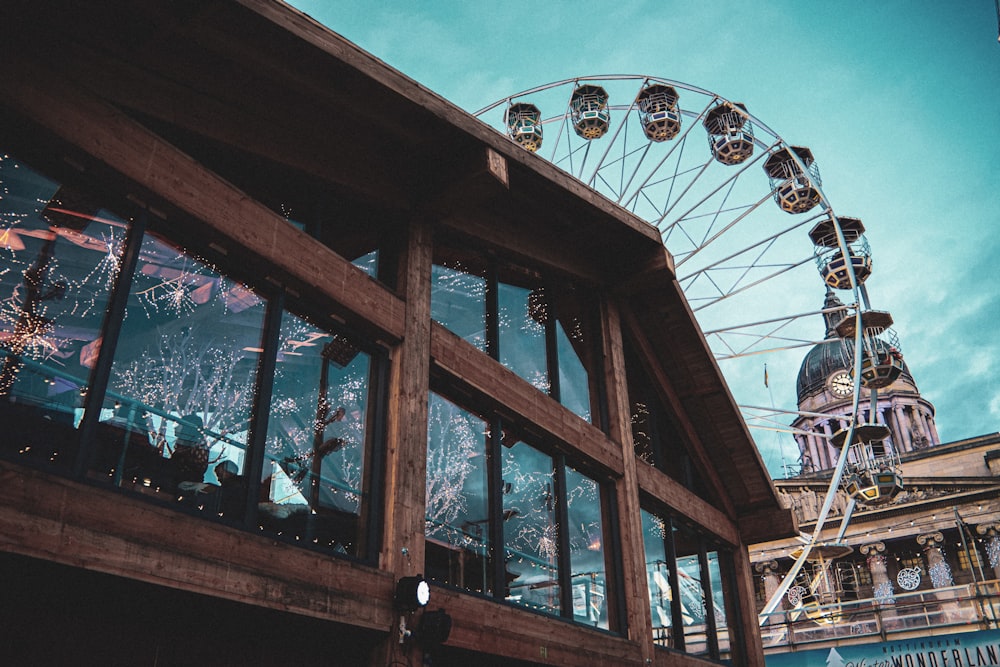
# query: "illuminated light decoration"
{"type": "Point", "coordinates": [909, 578]}
{"type": "Point", "coordinates": [940, 574]}
{"type": "Point", "coordinates": [658, 113]}
{"type": "Point", "coordinates": [794, 189]}
{"type": "Point", "coordinates": [993, 551]}
{"type": "Point", "coordinates": [884, 593]}
{"type": "Point", "coordinates": [730, 133]}
{"type": "Point", "coordinates": [524, 125]}
{"type": "Point", "coordinates": [588, 108]}
{"type": "Point", "coordinates": [830, 259]}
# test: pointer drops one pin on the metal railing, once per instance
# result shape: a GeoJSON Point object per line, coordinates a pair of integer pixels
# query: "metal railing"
{"type": "Point", "coordinates": [936, 611]}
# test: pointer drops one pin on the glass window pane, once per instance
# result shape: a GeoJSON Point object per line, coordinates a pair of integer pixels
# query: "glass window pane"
{"type": "Point", "coordinates": [586, 547]}
{"type": "Point", "coordinates": [574, 381]}
{"type": "Point", "coordinates": [718, 582]}
{"type": "Point", "coordinates": [530, 530]}
{"type": "Point", "coordinates": [521, 317]}
{"type": "Point", "coordinates": [656, 439]}
{"type": "Point", "coordinates": [687, 545]}
{"type": "Point", "coordinates": [60, 255]}
{"type": "Point", "coordinates": [314, 479]}
{"type": "Point", "coordinates": [577, 343]}
{"type": "Point", "coordinates": [658, 578]}
{"type": "Point", "coordinates": [182, 384]}
{"type": "Point", "coordinates": [457, 525]}
{"type": "Point", "coordinates": [458, 300]}
{"type": "Point", "coordinates": [368, 263]}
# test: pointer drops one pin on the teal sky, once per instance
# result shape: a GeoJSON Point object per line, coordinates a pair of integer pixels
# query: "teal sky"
{"type": "Point", "coordinates": [899, 101]}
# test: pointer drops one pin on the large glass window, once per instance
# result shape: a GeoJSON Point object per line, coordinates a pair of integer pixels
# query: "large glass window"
{"type": "Point", "coordinates": [587, 560]}
{"type": "Point", "coordinates": [458, 296]}
{"type": "Point", "coordinates": [522, 317]}
{"type": "Point", "coordinates": [531, 538]}
{"type": "Point", "coordinates": [60, 254]}
{"type": "Point", "coordinates": [164, 398]}
{"type": "Point", "coordinates": [655, 436]}
{"type": "Point", "coordinates": [690, 588]}
{"type": "Point", "coordinates": [489, 492]}
{"type": "Point", "coordinates": [458, 548]}
{"type": "Point", "coordinates": [659, 577]}
{"type": "Point", "coordinates": [540, 328]}
{"type": "Point", "coordinates": [315, 475]}
{"type": "Point", "coordinates": [177, 411]}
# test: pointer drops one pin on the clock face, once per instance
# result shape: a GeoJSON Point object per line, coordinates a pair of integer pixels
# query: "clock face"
{"type": "Point", "coordinates": [841, 384]}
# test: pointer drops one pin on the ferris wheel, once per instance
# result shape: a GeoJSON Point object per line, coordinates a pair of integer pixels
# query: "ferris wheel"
{"type": "Point", "coordinates": [744, 215]}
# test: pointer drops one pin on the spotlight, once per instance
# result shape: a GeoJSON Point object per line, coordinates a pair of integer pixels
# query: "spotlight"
{"type": "Point", "coordinates": [412, 593]}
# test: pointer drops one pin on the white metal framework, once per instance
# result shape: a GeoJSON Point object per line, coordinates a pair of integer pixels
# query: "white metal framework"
{"type": "Point", "coordinates": [734, 204]}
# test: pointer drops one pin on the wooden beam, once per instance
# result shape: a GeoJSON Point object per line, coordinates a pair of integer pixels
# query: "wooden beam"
{"type": "Point", "coordinates": [751, 649]}
{"type": "Point", "coordinates": [149, 161]}
{"type": "Point", "coordinates": [492, 628]}
{"type": "Point", "coordinates": [406, 450]}
{"type": "Point", "coordinates": [638, 615]}
{"type": "Point", "coordinates": [696, 448]}
{"type": "Point", "coordinates": [673, 494]}
{"type": "Point", "coordinates": [487, 377]}
{"type": "Point", "coordinates": [764, 525]}
{"type": "Point", "coordinates": [86, 526]}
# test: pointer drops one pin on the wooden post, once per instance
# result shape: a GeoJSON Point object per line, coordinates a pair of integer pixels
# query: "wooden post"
{"type": "Point", "coordinates": [406, 447]}
{"type": "Point", "coordinates": [638, 616]}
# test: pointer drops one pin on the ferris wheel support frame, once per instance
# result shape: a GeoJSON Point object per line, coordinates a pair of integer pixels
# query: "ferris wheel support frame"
{"type": "Point", "coordinates": [859, 294]}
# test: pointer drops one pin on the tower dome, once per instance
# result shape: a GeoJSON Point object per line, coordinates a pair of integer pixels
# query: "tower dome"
{"type": "Point", "coordinates": [825, 396]}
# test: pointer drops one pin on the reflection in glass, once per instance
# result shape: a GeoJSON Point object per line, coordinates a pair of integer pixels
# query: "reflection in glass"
{"type": "Point", "coordinates": [530, 529]}
{"type": "Point", "coordinates": [458, 301]}
{"type": "Point", "coordinates": [718, 587]}
{"type": "Point", "coordinates": [182, 384]}
{"type": "Point", "coordinates": [655, 437]}
{"type": "Point", "coordinates": [586, 549]}
{"type": "Point", "coordinates": [574, 381]}
{"type": "Point", "coordinates": [658, 578]}
{"type": "Point", "coordinates": [60, 255]}
{"type": "Point", "coordinates": [313, 481]}
{"type": "Point", "coordinates": [687, 546]}
{"type": "Point", "coordinates": [368, 263]}
{"type": "Point", "coordinates": [522, 316]}
{"type": "Point", "coordinates": [457, 522]}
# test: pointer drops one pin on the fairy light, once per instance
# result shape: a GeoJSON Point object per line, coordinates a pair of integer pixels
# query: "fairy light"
{"type": "Point", "coordinates": [993, 551]}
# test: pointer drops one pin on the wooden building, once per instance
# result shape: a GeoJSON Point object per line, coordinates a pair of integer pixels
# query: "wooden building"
{"type": "Point", "coordinates": [281, 329]}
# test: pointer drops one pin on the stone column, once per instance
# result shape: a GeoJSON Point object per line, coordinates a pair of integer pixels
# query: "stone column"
{"type": "Point", "coordinates": [882, 589]}
{"type": "Point", "coordinates": [904, 428]}
{"type": "Point", "coordinates": [768, 571]}
{"type": "Point", "coordinates": [897, 430]}
{"type": "Point", "coordinates": [937, 566]}
{"type": "Point", "coordinates": [991, 531]}
{"type": "Point", "coordinates": [827, 447]}
{"type": "Point", "coordinates": [935, 438]}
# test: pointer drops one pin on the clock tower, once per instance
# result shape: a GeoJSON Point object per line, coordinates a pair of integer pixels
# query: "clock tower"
{"type": "Point", "coordinates": [825, 397]}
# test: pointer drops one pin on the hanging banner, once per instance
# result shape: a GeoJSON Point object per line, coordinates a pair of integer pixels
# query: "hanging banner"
{"type": "Point", "coordinates": [968, 649]}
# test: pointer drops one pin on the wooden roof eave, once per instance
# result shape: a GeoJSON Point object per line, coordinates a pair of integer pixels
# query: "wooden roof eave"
{"type": "Point", "coordinates": [714, 424]}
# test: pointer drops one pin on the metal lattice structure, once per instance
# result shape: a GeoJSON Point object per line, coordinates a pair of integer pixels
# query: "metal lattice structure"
{"type": "Point", "coordinates": [741, 210]}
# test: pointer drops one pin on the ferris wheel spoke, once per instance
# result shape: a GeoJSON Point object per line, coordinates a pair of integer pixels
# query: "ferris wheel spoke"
{"type": "Point", "coordinates": [710, 210]}
{"type": "Point", "coordinates": [679, 145]}
{"type": "Point", "coordinates": [706, 303]}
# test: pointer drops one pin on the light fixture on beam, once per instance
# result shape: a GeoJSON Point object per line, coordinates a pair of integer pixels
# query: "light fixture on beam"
{"type": "Point", "coordinates": [412, 593]}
